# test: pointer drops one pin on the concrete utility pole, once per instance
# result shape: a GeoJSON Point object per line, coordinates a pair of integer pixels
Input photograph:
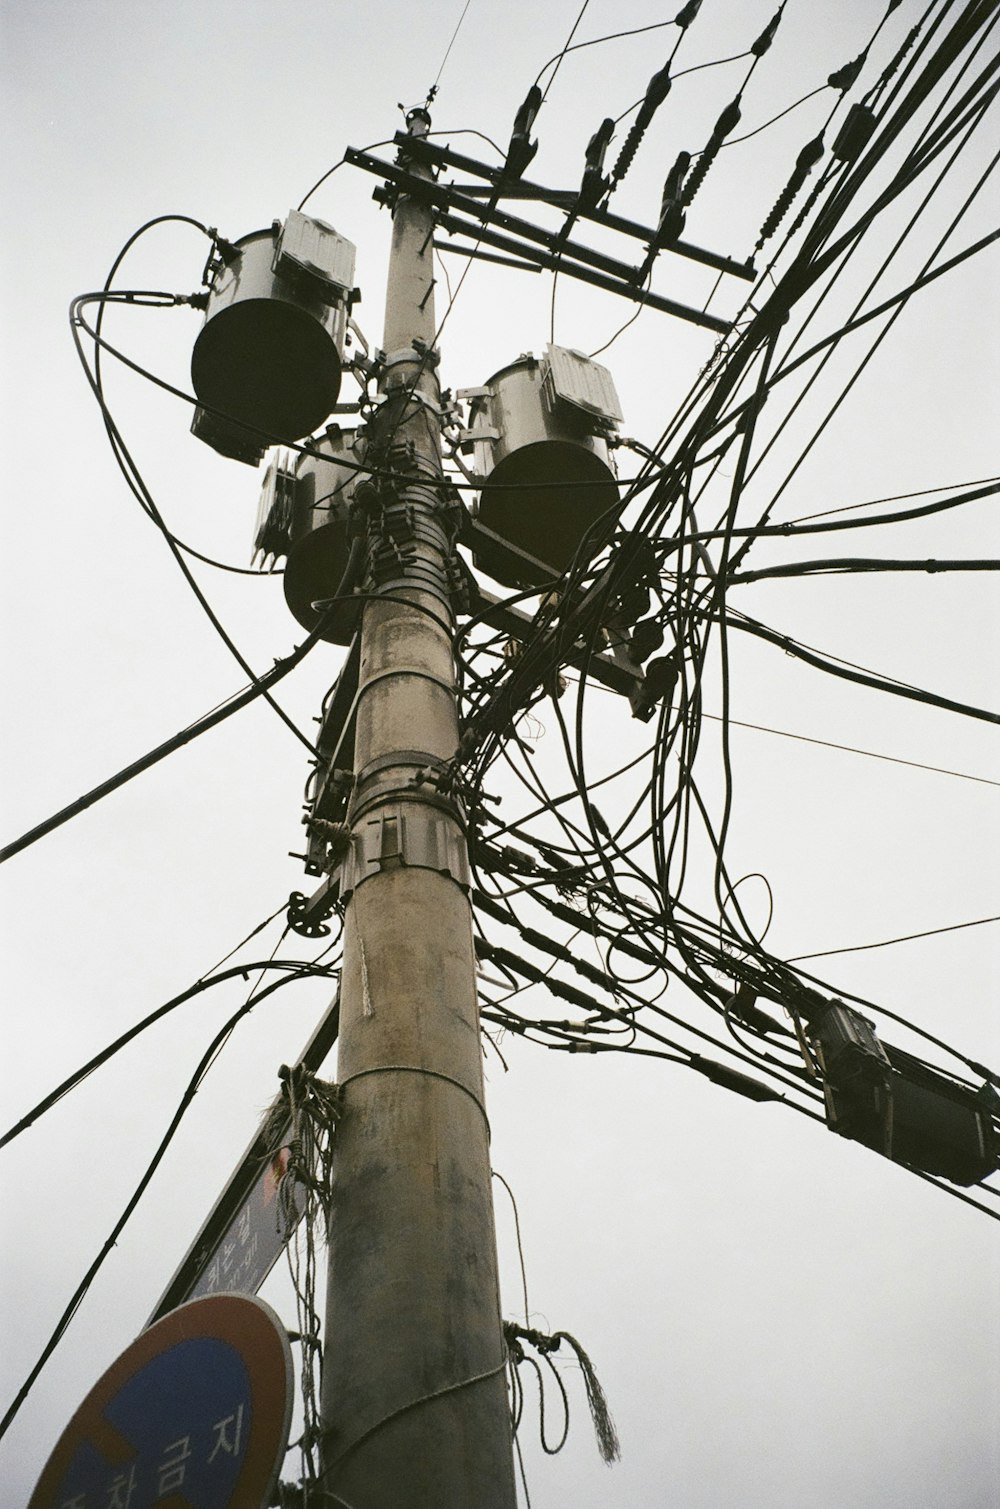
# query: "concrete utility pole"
{"type": "Point", "coordinates": [414, 1399]}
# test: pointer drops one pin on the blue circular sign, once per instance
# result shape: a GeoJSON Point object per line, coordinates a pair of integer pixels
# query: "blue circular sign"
{"type": "Point", "coordinates": [194, 1415]}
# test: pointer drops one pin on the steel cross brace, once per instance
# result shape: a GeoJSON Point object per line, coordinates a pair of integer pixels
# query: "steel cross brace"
{"type": "Point", "coordinates": [531, 242]}
{"type": "Point", "coordinates": [439, 156]}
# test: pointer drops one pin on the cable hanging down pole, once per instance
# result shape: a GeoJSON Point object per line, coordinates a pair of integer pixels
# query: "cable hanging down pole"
{"type": "Point", "coordinates": [414, 1402]}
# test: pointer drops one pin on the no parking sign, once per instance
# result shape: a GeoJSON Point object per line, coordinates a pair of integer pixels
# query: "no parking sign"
{"type": "Point", "coordinates": [194, 1415]}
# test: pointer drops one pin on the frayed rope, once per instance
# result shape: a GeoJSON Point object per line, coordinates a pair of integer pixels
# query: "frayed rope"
{"type": "Point", "coordinates": [604, 1426]}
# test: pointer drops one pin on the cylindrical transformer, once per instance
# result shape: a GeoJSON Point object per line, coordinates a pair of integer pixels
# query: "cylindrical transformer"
{"type": "Point", "coordinates": [320, 542]}
{"type": "Point", "coordinates": [269, 352]}
{"type": "Point", "coordinates": [549, 475]}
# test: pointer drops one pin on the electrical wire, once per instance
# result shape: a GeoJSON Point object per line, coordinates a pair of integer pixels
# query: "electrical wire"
{"type": "Point", "coordinates": [685, 540]}
{"type": "Point", "coordinates": [204, 982]}
{"type": "Point", "coordinates": [870, 754]}
{"type": "Point", "coordinates": [734, 141]}
{"type": "Point", "coordinates": [683, 73]}
{"type": "Point", "coordinates": [858, 566]}
{"type": "Point", "coordinates": [858, 948]}
{"type": "Point", "coordinates": [134, 479]}
{"type": "Point", "coordinates": [76, 1299]}
{"type": "Point", "coordinates": [897, 498]}
{"type": "Point", "coordinates": [447, 52]}
{"type": "Point", "coordinates": [304, 448]}
{"type": "Point", "coordinates": [861, 677]}
{"type": "Point", "coordinates": [233, 705]}
{"type": "Point", "coordinates": [592, 862]}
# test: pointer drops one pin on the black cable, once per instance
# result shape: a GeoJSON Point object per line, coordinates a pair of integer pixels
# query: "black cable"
{"type": "Point", "coordinates": [205, 982]}
{"type": "Point", "coordinates": [81, 1290]}
{"type": "Point", "coordinates": [629, 1017]}
{"type": "Point", "coordinates": [843, 264]}
{"type": "Point", "coordinates": [792, 528]}
{"type": "Point", "coordinates": [852, 183]}
{"type": "Point", "coordinates": [372, 147]}
{"type": "Point", "coordinates": [807, 265]}
{"type": "Point", "coordinates": [898, 498]}
{"type": "Point", "coordinates": [447, 52]}
{"type": "Point", "coordinates": [778, 988]}
{"type": "Point", "coordinates": [234, 704]}
{"type": "Point", "coordinates": [144, 299]}
{"type": "Point", "coordinates": [683, 73]}
{"type": "Point", "coordinates": [138, 487]}
{"type": "Point", "coordinates": [855, 674]}
{"type": "Point", "coordinates": [949, 1189]}
{"type": "Point", "coordinates": [858, 948]}
{"type": "Point", "coordinates": [305, 448]}
{"type": "Point", "coordinates": [614, 36]}
{"type": "Point", "coordinates": [897, 305]}
{"type": "Point", "coordinates": [858, 565]}
{"type": "Point", "coordinates": [735, 140]}
{"type": "Point", "coordinates": [870, 754]}
{"type": "Point", "coordinates": [926, 278]}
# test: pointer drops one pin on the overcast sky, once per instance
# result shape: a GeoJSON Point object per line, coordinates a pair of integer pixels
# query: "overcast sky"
{"type": "Point", "coordinates": [780, 1318]}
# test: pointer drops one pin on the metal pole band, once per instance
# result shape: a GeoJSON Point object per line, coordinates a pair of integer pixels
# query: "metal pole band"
{"type": "Point", "coordinates": [401, 670]}
{"type": "Point", "coordinates": [397, 837]}
{"type": "Point", "coordinates": [420, 1069]}
{"type": "Point", "coordinates": [406, 775]}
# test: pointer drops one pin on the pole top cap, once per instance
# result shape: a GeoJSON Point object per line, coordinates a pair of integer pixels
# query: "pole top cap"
{"type": "Point", "coordinates": [418, 120]}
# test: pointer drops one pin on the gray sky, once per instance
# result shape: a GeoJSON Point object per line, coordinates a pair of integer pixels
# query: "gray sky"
{"type": "Point", "coordinates": [779, 1317]}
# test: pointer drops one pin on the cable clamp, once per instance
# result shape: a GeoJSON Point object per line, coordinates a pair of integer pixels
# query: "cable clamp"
{"type": "Point", "coordinates": [418, 353]}
{"type": "Point", "coordinates": [408, 390]}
